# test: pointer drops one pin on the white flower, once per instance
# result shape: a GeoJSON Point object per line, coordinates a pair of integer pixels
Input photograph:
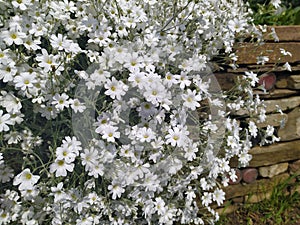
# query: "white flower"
{"type": "Point", "coordinates": [5, 216]}
{"type": "Point", "coordinates": [60, 167]}
{"type": "Point", "coordinates": [7, 71]}
{"type": "Point", "coordinates": [145, 134]}
{"type": "Point", "coordinates": [77, 106]}
{"type": "Point", "coordinates": [4, 121]}
{"type": "Point", "coordinates": [155, 93]}
{"type": "Point", "coordinates": [59, 42]}
{"type": "Point", "coordinates": [176, 136]}
{"type": "Point", "coordinates": [160, 206]}
{"type": "Point", "coordinates": [287, 66]}
{"type": "Point", "coordinates": [66, 154]}
{"type": "Point", "coordinates": [183, 80]}
{"type": "Point", "coordinates": [13, 36]}
{"type": "Point", "coordinates": [58, 192]}
{"type": "Point", "coordinates": [151, 182]}
{"type": "Point", "coordinates": [218, 196]}
{"type": "Point", "coordinates": [26, 180]}
{"type": "Point", "coordinates": [61, 101]}
{"type": "Point", "coordinates": [262, 59]}
{"type": "Point", "coordinates": [89, 158]}
{"type": "Point", "coordinates": [253, 129]}
{"type": "Point", "coordinates": [109, 132]}
{"type": "Point", "coordinates": [270, 130]}
{"type": "Point", "coordinates": [116, 190]}
{"type": "Point", "coordinates": [206, 198]}
{"type": "Point", "coordinates": [115, 89]}
{"type": "Point", "coordinates": [244, 158]}
{"type": "Point", "coordinates": [284, 52]}
{"type": "Point", "coordinates": [22, 4]}
{"type": "Point", "coordinates": [10, 102]}
{"type": "Point", "coordinates": [47, 61]}
{"type": "Point", "coordinates": [232, 142]}
{"type": "Point", "coordinates": [25, 80]}
{"type": "Point", "coordinates": [276, 3]}
{"type": "Point", "coordinates": [253, 78]}
{"type": "Point", "coordinates": [236, 25]}
{"type": "Point", "coordinates": [191, 99]}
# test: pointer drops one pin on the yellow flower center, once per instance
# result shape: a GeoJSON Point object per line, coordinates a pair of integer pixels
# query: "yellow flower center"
{"type": "Point", "coordinates": [28, 176]}
{"type": "Point", "coordinates": [13, 36]}
{"type": "Point", "coordinates": [176, 138]}
{"type": "Point", "coordinates": [61, 162]}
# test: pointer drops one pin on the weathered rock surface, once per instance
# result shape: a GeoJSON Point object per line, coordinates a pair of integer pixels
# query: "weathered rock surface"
{"type": "Point", "coordinates": [258, 197]}
{"type": "Point", "coordinates": [276, 153]}
{"type": "Point", "coordinates": [273, 120]}
{"type": "Point", "coordinates": [273, 104]}
{"type": "Point", "coordinates": [284, 33]}
{"type": "Point", "coordinates": [293, 82]}
{"type": "Point", "coordinates": [259, 186]}
{"type": "Point", "coordinates": [281, 82]}
{"type": "Point", "coordinates": [271, 171]}
{"type": "Point", "coordinates": [291, 130]}
{"type": "Point", "coordinates": [294, 167]}
{"type": "Point", "coordinates": [247, 52]}
{"type": "Point", "coordinates": [284, 103]}
{"type": "Point", "coordinates": [276, 93]}
{"type": "Point", "coordinates": [226, 210]}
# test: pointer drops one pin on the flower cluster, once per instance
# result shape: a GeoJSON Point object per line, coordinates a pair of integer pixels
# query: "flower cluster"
{"type": "Point", "coordinates": [110, 113]}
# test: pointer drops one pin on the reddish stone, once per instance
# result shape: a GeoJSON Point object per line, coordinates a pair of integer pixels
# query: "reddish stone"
{"type": "Point", "coordinates": [239, 177]}
{"type": "Point", "coordinates": [249, 175]}
{"type": "Point", "coordinates": [268, 80]}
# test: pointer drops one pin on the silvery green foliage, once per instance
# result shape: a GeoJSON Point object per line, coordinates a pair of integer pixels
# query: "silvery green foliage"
{"type": "Point", "coordinates": [112, 112]}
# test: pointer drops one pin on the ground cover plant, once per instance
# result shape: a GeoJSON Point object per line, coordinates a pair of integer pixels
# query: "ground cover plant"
{"type": "Point", "coordinates": [110, 113]}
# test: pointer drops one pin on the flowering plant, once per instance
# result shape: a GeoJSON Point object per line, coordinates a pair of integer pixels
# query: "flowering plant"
{"type": "Point", "coordinates": [110, 113]}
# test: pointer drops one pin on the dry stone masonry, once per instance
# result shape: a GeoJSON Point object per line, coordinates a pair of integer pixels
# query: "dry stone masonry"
{"type": "Point", "coordinates": [275, 163]}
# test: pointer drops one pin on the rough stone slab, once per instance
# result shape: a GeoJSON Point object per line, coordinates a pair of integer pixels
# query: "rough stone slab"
{"type": "Point", "coordinates": [285, 103]}
{"type": "Point", "coordinates": [226, 80]}
{"type": "Point", "coordinates": [262, 68]}
{"type": "Point", "coordinates": [276, 93]}
{"type": "Point", "coordinates": [271, 171]}
{"type": "Point", "coordinates": [271, 105]}
{"type": "Point", "coordinates": [258, 197]}
{"type": "Point", "coordinates": [291, 130]}
{"type": "Point", "coordinates": [240, 199]}
{"type": "Point", "coordinates": [281, 82]}
{"type": "Point", "coordinates": [294, 167]}
{"type": "Point", "coordinates": [293, 82]}
{"type": "Point", "coordinates": [226, 210]}
{"type": "Point", "coordinates": [276, 153]}
{"type": "Point", "coordinates": [259, 186]}
{"type": "Point", "coordinates": [272, 119]}
{"type": "Point", "coordinates": [284, 33]}
{"type": "Point", "coordinates": [247, 52]}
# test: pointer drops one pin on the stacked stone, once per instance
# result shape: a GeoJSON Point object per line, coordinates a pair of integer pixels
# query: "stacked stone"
{"type": "Point", "coordinates": [275, 163]}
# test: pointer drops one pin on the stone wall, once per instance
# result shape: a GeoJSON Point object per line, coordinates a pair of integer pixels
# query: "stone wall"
{"type": "Point", "coordinates": [278, 162]}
